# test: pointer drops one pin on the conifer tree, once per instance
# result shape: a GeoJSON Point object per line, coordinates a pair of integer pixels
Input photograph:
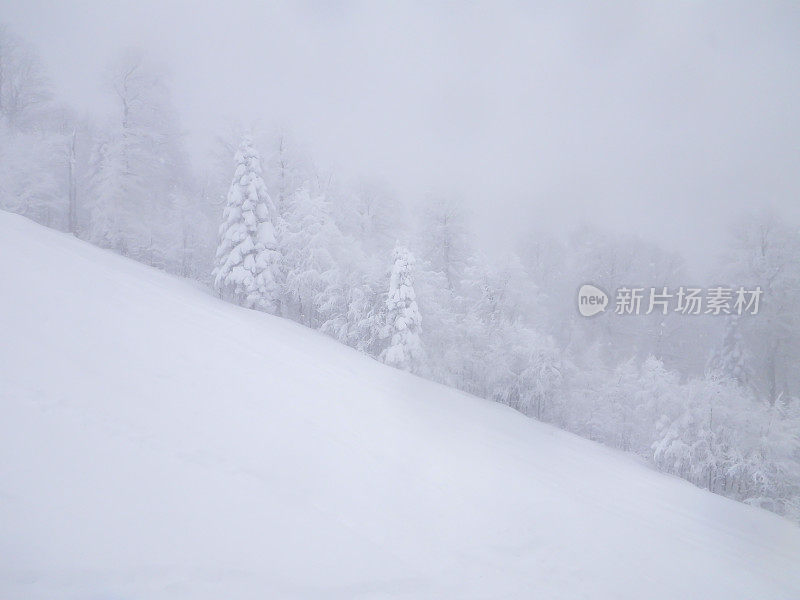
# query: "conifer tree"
{"type": "Point", "coordinates": [247, 260]}
{"type": "Point", "coordinates": [403, 319]}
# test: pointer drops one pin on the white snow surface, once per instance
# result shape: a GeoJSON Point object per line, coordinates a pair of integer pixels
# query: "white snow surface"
{"type": "Point", "coordinates": [157, 443]}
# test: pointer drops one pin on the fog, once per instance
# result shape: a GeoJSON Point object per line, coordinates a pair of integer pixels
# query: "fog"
{"type": "Point", "coordinates": [240, 239]}
{"type": "Point", "coordinates": [658, 120]}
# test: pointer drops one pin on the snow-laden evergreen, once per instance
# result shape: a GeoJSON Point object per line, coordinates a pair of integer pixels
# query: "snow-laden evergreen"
{"type": "Point", "coordinates": [248, 263]}
{"type": "Point", "coordinates": [403, 321]}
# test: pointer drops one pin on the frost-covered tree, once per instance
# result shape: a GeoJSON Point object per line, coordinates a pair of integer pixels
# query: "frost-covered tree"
{"type": "Point", "coordinates": [34, 137]}
{"type": "Point", "coordinates": [765, 470]}
{"type": "Point", "coordinates": [545, 260]}
{"type": "Point", "coordinates": [403, 321]}
{"type": "Point", "coordinates": [311, 242]}
{"type": "Point", "coordinates": [452, 335]}
{"type": "Point", "coordinates": [518, 365]}
{"type": "Point", "coordinates": [730, 358]}
{"type": "Point", "coordinates": [24, 88]}
{"type": "Point", "coordinates": [444, 238]}
{"type": "Point", "coordinates": [28, 183]}
{"type": "Point", "coordinates": [248, 262]}
{"type": "Point", "coordinates": [765, 251]}
{"type": "Point", "coordinates": [139, 166]}
{"type": "Point", "coordinates": [353, 312]}
{"type": "Point", "coordinates": [501, 291]}
{"type": "Point", "coordinates": [371, 214]}
{"type": "Point", "coordinates": [524, 371]}
{"type": "Point", "coordinates": [286, 168]}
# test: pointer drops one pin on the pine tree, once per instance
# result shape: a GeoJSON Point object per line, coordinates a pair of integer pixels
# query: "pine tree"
{"type": "Point", "coordinates": [403, 319]}
{"type": "Point", "coordinates": [247, 259]}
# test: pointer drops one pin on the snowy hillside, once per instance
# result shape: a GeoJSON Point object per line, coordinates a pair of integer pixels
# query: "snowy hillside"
{"type": "Point", "coordinates": [158, 443]}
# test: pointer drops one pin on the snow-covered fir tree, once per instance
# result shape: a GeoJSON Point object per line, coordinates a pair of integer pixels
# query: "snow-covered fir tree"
{"type": "Point", "coordinates": [403, 319]}
{"type": "Point", "coordinates": [248, 263]}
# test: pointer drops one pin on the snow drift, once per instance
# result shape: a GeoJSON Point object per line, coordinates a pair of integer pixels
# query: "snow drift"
{"type": "Point", "coordinates": [156, 442]}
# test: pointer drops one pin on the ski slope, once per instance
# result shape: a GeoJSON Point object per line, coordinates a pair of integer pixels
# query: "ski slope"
{"type": "Point", "coordinates": [156, 443]}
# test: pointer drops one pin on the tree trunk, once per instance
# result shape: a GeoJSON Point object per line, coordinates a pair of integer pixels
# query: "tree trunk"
{"type": "Point", "coordinates": [72, 216]}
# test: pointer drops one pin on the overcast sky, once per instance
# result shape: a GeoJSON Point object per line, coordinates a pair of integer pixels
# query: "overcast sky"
{"type": "Point", "coordinates": [661, 118]}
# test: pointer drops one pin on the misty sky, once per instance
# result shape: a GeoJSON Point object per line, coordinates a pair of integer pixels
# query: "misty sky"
{"type": "Point", "coordinates": [664, 120]}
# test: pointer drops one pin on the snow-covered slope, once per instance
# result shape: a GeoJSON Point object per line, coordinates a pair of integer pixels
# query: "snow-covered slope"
{"type": "Point", "coordinates": [157, 443]}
